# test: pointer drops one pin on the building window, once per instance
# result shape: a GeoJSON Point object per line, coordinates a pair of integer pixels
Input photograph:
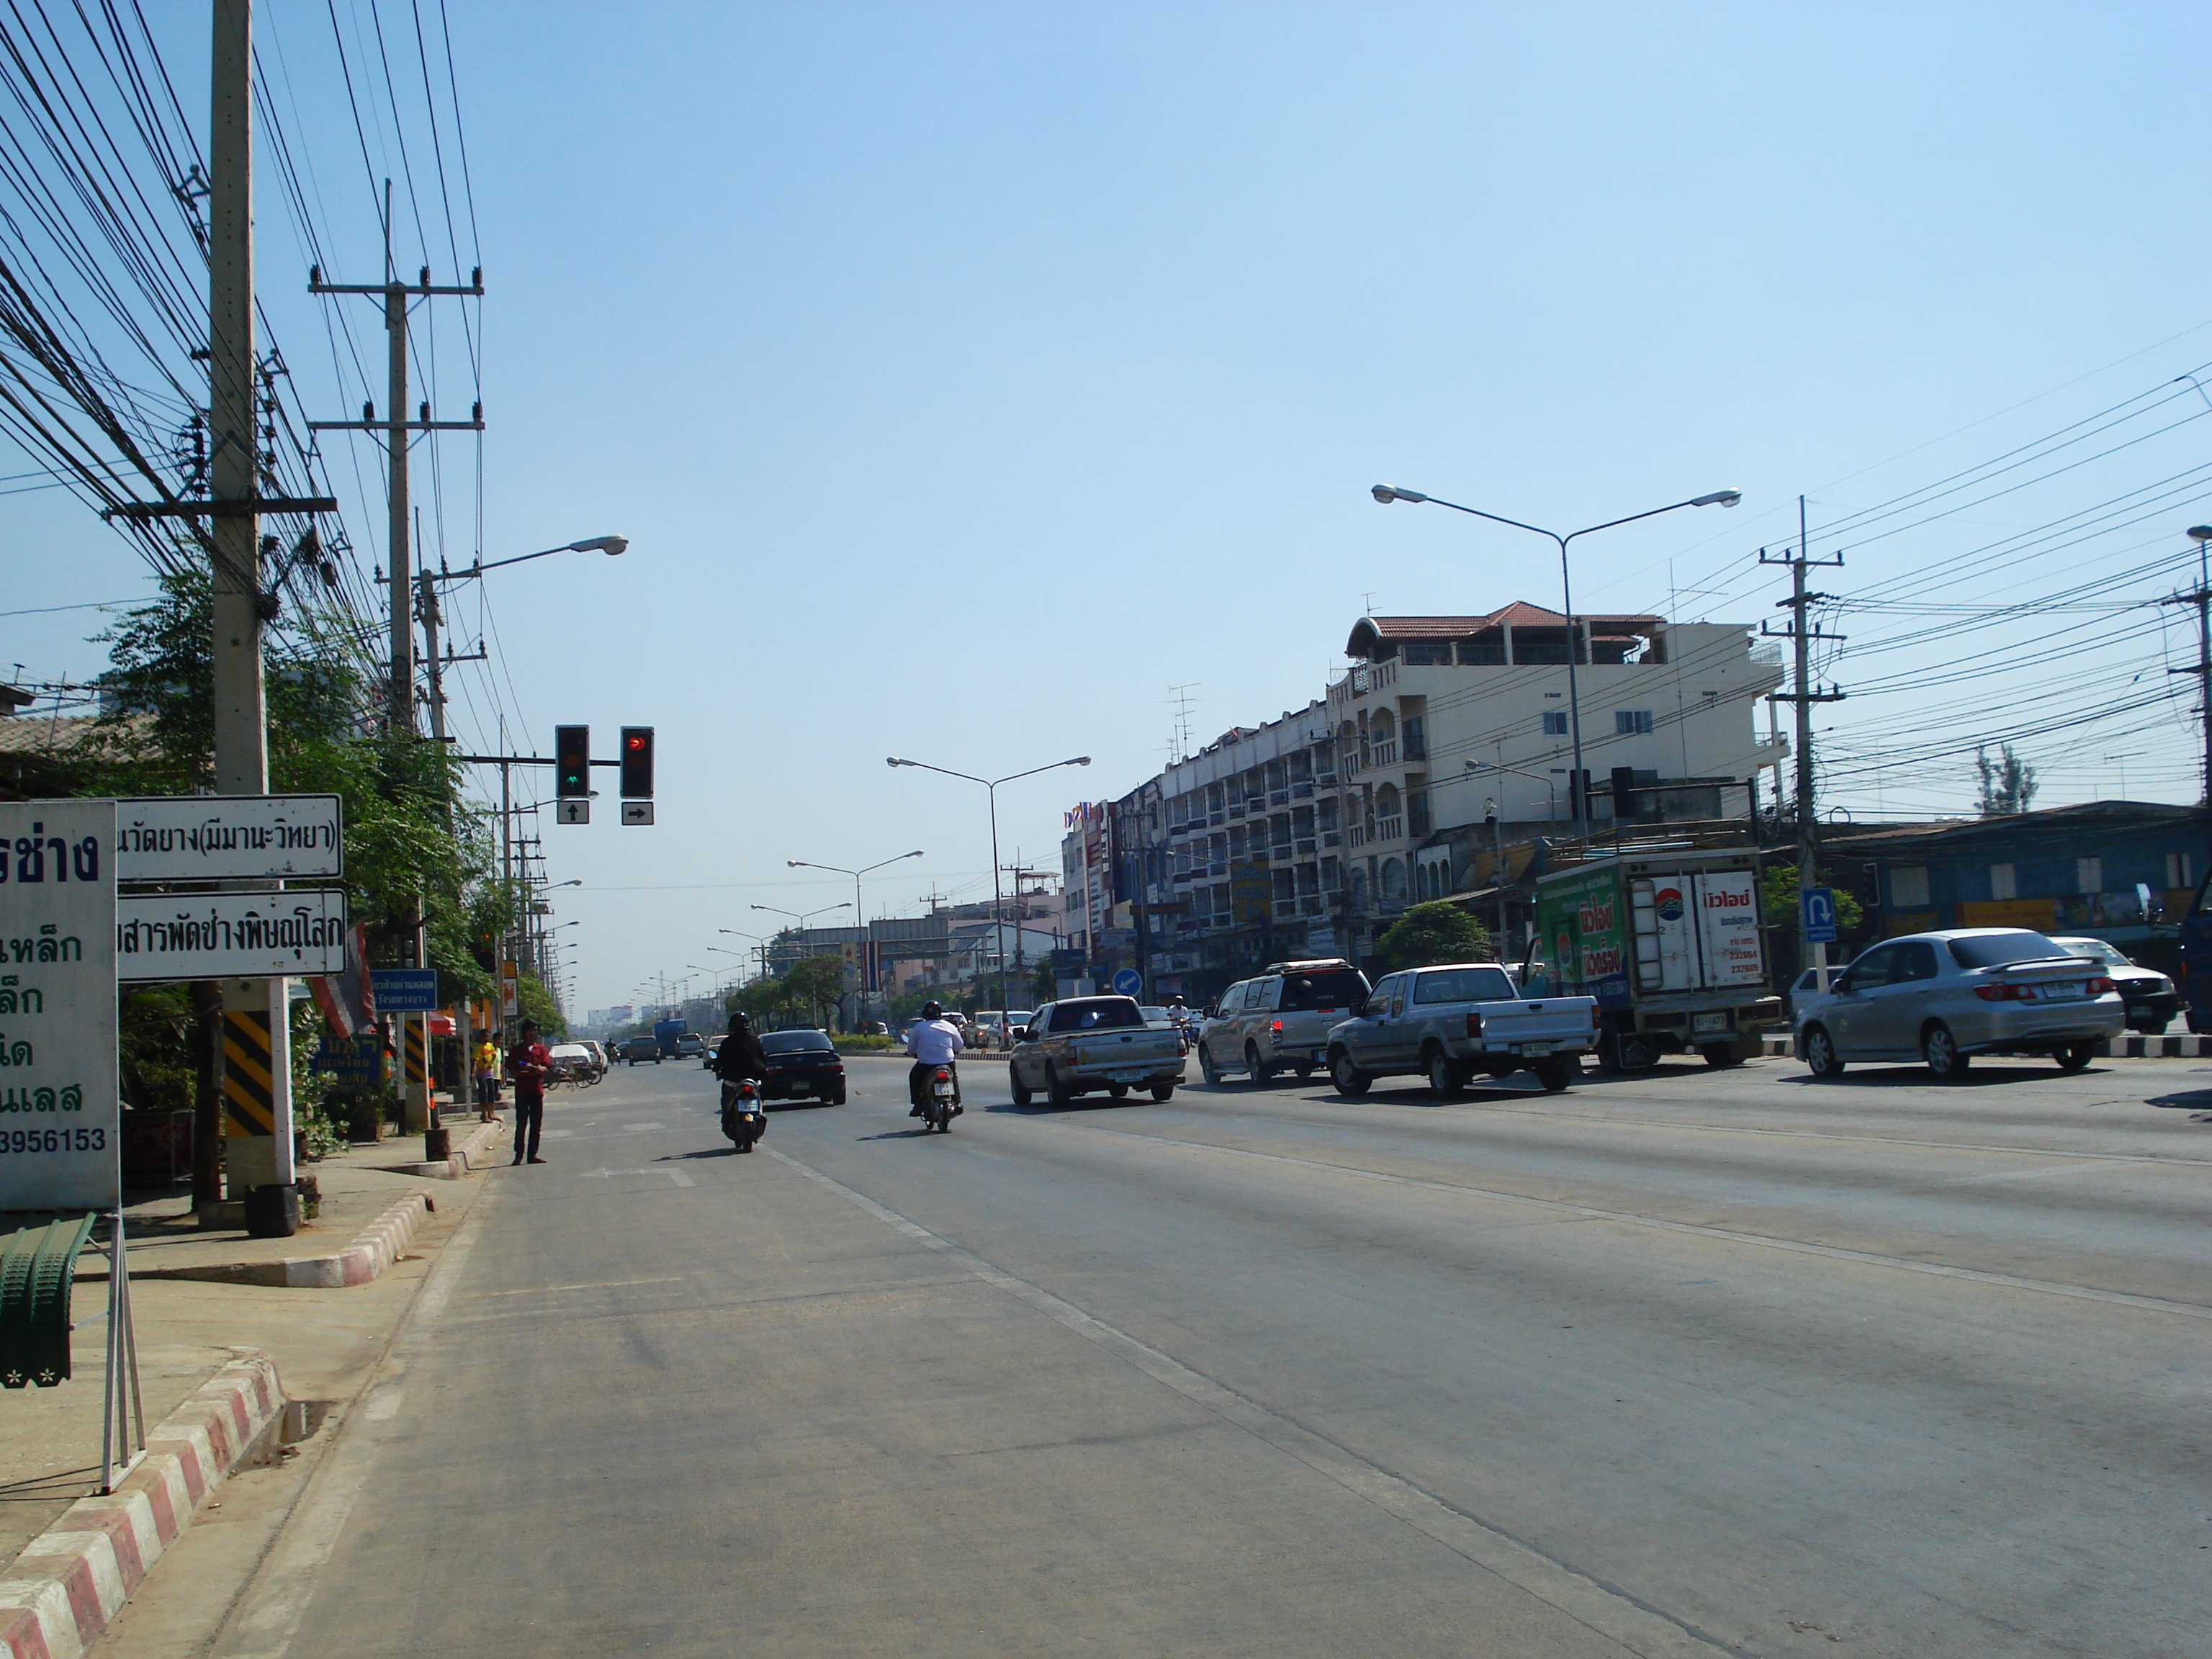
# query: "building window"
{"type": "Point", "coordinates": [1419, 656]}
{"type": "Point", "coordinates": [2177, 872]}
{"type": "Point", "coordinates": [1555, 722]}
{"type": "Point", "coordinates": [2003, 883]}
{"type": "Point", "coordinates": [2088, 875]}
{"type": "Point", "coordinates": [1908, 887]}
{"type": "Point", "coordinates": [1632, 722]}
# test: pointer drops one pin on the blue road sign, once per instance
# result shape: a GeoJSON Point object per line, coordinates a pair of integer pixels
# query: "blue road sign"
{"type": "Point", "coordinates": [1128, 982]}
{"type": "Point", "coordinates": [404, 990]}
{"type": "Point", "coordinates": [1816, 907]}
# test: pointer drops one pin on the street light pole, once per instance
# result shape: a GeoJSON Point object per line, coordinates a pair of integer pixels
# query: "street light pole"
{"type": "Point", "coordinates": [1576, 795]}
{"type": "Point", "coordinates": [998, 923]}
{"type": "Point", "coordinates": [860, 914]}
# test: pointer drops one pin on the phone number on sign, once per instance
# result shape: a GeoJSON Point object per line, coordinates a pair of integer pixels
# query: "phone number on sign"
{"type": "Point", "coordinates": [53, 1140]}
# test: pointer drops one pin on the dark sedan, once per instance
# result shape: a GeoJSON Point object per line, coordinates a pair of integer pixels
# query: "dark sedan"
{"type": "Point", "coordinates": [803, 1065]}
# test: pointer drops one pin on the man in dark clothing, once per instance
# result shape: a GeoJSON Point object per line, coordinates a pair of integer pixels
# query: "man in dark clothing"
{"type": "Point", "coordinates": [740, 1058]}
{"type": "Point", "coordinates": [527, 1064]}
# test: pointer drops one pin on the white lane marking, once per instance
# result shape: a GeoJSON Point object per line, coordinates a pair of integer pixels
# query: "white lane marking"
{"type": "Point", "coordinates": [635, 1127]}
{"type": "Point", "coordinates": [603, 1285]}
{"type": "Point", "coordinates": [676, 1175]}
{"type": "Point", "coordinates": [1591, 1212]}
{"type": "Point", "coordinates": [1612, 1614]}
{"type": "Point", "coordinates": [266, 1616]}
{"type": "Point", "coordinates": [555, 1134]}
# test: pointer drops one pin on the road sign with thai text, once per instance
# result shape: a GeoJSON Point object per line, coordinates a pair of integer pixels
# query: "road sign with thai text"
{"type": "Point", "coordinates": [230, 935]}
{"type": "Point", "coordinates": [228, 838]}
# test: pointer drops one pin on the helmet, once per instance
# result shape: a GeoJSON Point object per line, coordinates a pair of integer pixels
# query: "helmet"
{"type": "Point", "coordinates": [932, 1010]}
{"type": "Point", "coordinates": [738, 1019]}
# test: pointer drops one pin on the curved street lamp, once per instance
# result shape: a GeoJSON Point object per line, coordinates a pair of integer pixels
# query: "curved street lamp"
{"type": "Point", "coordinates": [1386, 494]}
{"type": "Point", "coordinates": [998, 922]}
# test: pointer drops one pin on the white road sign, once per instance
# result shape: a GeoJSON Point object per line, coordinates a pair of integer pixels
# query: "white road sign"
{"type": "Point", "coordinates": [229, 935]}
{"type": "Point", "coordinates": [229, 837]}
{"type": "Point", "coordinates": [60, 1128]}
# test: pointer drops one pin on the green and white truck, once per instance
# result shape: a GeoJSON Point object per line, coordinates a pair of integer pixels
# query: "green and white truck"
{"type": "Point", "coordinates": [1669, 945]}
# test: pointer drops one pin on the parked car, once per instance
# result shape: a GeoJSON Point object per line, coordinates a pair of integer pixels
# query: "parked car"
{"type": "Point", "coordinates": [2150, 998]}
{"type": "Point", "coordinates": [639, 1049]}
{"type": "Point", "coordinates": [574, 1059]}
{"type": "Point", "coordinates": [1083, 1044]}
{"type": "Point", "coordinates": [1453, 1023]}
{"type": "Point", "coordinates": [1279, 1020]}
{"type": "Point", "coordinates": [1946, 996]}
{"type": "Point", "coordinates": [803, 1064]}
{"type": "Point", "coordinates": [690, 1045]}
{"type": "Point", "coordinates": [599, 1053]}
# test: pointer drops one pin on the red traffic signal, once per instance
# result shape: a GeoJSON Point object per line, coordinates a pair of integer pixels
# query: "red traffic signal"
{"type": "Point", "coordinates": [637, 763]}
{"type": "Point", "coordinates": [572, 763]}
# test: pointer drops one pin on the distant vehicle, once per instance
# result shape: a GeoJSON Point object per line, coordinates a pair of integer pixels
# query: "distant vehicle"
{"type": "Point", "coordinates": [1072, 1048]}
{"type": "Point", "coordinates": [664, 1033]}
{"type": "Point", "coordinates": [1946, 996]}
{"type": "Point", "coordinates": [1280, 1021]}
{"type": "Point", "coordinates": [639, 1049]}
{"type": "Point", "coordinates": [709, 1051]}
{"type": "Point", "coordinates": [803, 1064]}
{"type": "Point", "coordinates": [995, 1027]}
{"type": "Point", "coordinates": [1669, 944]}
{"type": "Point", "coordinates": [1452, 1023]}
{"type": "Point", "coordinates": [574, 1063]}
{"type": "Point", "coordinates": [599, 1053]}
{"type": "Point", "coordinates": [2149, 996]}
{"type": "Point", "coordinates": [690, 1045]}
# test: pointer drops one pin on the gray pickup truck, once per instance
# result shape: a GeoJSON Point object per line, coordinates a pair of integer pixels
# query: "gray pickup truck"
{"type": "Point", "coordinates": [1085, 1044]}
{"type": "Point", "coordinates": [1280, 1021]}
{"type": "Point", "coordinates": [1452, 1023]}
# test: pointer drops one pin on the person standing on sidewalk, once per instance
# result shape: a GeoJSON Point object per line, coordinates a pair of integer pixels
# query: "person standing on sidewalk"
{"type": "Point", "coordinates": [487, 1079]}
{"type": "Point", "coordinates": [528, 1063]}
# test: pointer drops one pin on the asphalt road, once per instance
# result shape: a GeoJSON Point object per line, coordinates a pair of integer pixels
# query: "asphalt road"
{"type": "Point", "coordinates": [1683, 1364]}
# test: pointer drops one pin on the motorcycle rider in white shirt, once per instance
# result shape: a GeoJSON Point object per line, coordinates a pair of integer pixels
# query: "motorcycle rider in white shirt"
{"type": "Point", "coordinates": [933, 1042]}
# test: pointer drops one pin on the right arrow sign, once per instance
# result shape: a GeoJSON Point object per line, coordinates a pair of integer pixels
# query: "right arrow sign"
{"type": "Point", "coordinates": [637, 811]}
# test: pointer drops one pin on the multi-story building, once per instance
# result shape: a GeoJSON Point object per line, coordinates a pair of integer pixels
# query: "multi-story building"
{"type": "Point", "coordinates": [1302, 835]}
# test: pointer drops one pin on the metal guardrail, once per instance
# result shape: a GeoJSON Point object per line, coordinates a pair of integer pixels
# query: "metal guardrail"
{"type": "Point", "coordinates": [38, 1267]}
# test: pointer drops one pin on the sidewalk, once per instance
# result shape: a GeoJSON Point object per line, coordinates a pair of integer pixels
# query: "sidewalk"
{"type": "Point", "coordinates": [198, 1310]}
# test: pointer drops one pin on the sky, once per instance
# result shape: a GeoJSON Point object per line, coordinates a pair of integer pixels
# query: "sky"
{"type": "Point", "coordinates": [967, 377]}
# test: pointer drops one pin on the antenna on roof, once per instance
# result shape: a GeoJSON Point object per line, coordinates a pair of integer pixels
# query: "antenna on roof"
{"type": "Point", "coordinates": [1368, 600]}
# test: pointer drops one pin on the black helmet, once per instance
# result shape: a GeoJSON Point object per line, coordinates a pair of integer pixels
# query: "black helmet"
{"type": "Point", "coordinates": [932, 1010]}
{"type": "Point", "coordinates": [738, 1019]}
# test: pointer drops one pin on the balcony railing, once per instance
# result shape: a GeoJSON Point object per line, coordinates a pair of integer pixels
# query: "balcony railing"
{"type": "Point", "coordinates": [1383, 754]}
{"type": "Point", "coordinates": [1356, 835]}
{"type": "Point", "coordinates": [1389, 828]}
{"type": "Point", "coordinates": [1354, 766]}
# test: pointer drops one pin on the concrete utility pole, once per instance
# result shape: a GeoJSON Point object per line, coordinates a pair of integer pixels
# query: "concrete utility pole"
{"type": "Point", "coordinates": [1802, 637]}
{"type": "Point", "coordinates": [2202, 598]}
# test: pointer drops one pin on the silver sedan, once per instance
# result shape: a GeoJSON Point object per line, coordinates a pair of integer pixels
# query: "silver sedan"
{"type": "Point", "coordinates": [1944, 996]}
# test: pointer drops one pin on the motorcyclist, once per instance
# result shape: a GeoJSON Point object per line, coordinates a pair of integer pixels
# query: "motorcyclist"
{"type": "Point", "coordinates": [932, 1042]}
{"type": "Point", "coordinates": [740, 1058]}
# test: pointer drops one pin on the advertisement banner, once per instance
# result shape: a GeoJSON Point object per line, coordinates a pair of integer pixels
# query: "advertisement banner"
{"type": "Point", "coordinates": [229, 935]}
{"type": "Point", "coordinates": [228, 838]}
{"type": "Point", "coordinates": [1585, 936]}
{"type": "Point", "coordinates": [1727, 928]}
{"type": "Point", "coordinates": [60, 1128]}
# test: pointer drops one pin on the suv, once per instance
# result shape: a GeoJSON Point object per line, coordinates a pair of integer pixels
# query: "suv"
{"type": "Point", "coordinates": [1279, 1020]}
{"type": "Point", "coordinates": [639, 1049]}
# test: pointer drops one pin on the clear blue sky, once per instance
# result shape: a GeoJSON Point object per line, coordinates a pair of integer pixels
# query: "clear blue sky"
{"type": "Point", "coordinates": [967, 376]}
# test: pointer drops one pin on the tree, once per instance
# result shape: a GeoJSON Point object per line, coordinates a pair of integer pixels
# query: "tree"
{"type": "Point", "coordinates": [815, 982]}
{"type": "Point", "coordinates": [1777, 893]}
{"type": "Point", "coordinates": [759, 999]}
{"type": "Point", "coordinates": [1429, 934]}
{"type": "Point", "coordinates": [2008, 783]}
{"type": "Point", "coordinates": [536, 1003]}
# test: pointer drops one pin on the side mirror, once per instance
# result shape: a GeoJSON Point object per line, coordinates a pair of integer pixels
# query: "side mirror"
{"type": "Point", "coordinates": [1209, 1012]}
{"type": "Point", "coordinates": [1840, 982]}
{"type": "Point", "coordinates": [1022, 1033]}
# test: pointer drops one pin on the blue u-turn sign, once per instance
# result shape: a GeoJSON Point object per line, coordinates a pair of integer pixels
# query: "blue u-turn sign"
{"type": "Point", "coordinates": [1816, 908]}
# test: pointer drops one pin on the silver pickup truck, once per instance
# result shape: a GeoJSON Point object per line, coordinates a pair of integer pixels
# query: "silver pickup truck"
{"type": "Point", "coordinates": [1453, 1023]}
{"type": "Point", "coordinates": [1085, 1043]}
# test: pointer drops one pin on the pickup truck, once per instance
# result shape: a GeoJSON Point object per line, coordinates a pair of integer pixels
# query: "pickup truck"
{"type": "Point", "coordinates": [1280, 1021]}
{"type": "Point", "coordinates": [1083, 1044]}
{"type": "Point", "coordinates": [1452, 1023]}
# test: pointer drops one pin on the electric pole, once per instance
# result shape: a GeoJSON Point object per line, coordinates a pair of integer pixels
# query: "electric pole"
{"type": "Point", "coordinates": [1802, 636]}
{"type": "Point", "coordinates": [2202, 598]}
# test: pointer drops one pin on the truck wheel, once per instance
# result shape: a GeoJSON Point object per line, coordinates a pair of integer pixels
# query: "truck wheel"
{"type": "Point", "coordinates": [1940, 1050]}
{"type": "Point", "coordinates": [1721, 1055]}
{"type": "Point", "coordinates": [1349, 1078]}
{"type": "Point", "coordinates": [1303, 1071]}
{"type": "Point", "coordinates": [1057, 1091]}
{"type": "Point", "coordinates": [1554, 1074]}
{"type": "Point", "coordinates": [1255, 1069]}
{"type": "Point", "coordinates": [1207, 1068]}
{"type": "Point", "coordinates": [1163, 1091]}
{"type": "Point", "coordinates": [1016, 1087]}
{"type": "Point", "coordinates": [1444, 1080]}
{"type": "Point", "coordinates": [1818, 1050]}
{"type": "Point", "coordinates": [1118, 1091]}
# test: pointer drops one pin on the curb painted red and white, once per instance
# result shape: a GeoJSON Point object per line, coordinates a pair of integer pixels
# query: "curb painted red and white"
{"type": "Point", "coordinates": [383, 1243]}
{"type": "Point", "coordinates": [2126, 1048]}
{"type": "Point", "coordinates": [60, 1593]}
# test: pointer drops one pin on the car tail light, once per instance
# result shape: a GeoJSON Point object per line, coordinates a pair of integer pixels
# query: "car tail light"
{"type": "Point", "coordinates": [1275, 1026]}
{"type": "Point", "coordinates": [2101, 984]}
{"type": "Point", "coordinates": [1474, 1026]}
{"type": "Point", "coordinates": [2004, 992]}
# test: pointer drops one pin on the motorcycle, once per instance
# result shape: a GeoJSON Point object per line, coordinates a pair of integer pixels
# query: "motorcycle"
{"type": "Point", "coordinates": [744, 1120]}
{"type": "Point", "coordinates": [940, 1099]}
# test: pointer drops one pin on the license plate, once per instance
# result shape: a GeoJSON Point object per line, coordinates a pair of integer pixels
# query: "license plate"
{"type": "Point", "coordinates": [2064, 988]}
{"type": "Point", "coordinates": [1708, 1022]}
{"type": "Point", "coordinates": [1535, 1048]}
{"type": "Point", "coordinates": [1127, 1077]}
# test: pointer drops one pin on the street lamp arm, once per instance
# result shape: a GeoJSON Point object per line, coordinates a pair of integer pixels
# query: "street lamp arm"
{"type": "Point", "coordinates": [1723, 498]}
{"type": "Point", "coordinates": [1476, 512]}
{"type": "Point", "coordinates": [895, 761]}
{"type": "Point", "coordinates": [1078, 759]}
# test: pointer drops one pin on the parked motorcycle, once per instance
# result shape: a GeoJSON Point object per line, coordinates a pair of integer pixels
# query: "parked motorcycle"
{"type": "Point", "coordinates": [744, 1120]}
{"type": "Point", "coordinates": [940, 1099]}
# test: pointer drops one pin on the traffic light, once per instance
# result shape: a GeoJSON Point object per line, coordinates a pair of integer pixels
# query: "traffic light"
{"type": "Point", "coordinates": [572, 763]}
{"type": "Point", "coordinates": [637, 763]}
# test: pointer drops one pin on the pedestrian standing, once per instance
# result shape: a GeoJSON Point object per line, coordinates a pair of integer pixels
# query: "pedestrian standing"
{"type": "Point", "coordinates": [528, 1063]}
{"type": "Point", "coordinates": [487, 1079]}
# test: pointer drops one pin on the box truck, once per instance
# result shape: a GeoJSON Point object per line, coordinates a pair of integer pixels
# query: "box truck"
{"type": "Point", "coordinates": [1669, 945]}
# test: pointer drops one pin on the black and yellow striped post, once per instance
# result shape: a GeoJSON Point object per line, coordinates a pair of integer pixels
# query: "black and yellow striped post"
{"type": "Point", "coordinates": [249, 1106]}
